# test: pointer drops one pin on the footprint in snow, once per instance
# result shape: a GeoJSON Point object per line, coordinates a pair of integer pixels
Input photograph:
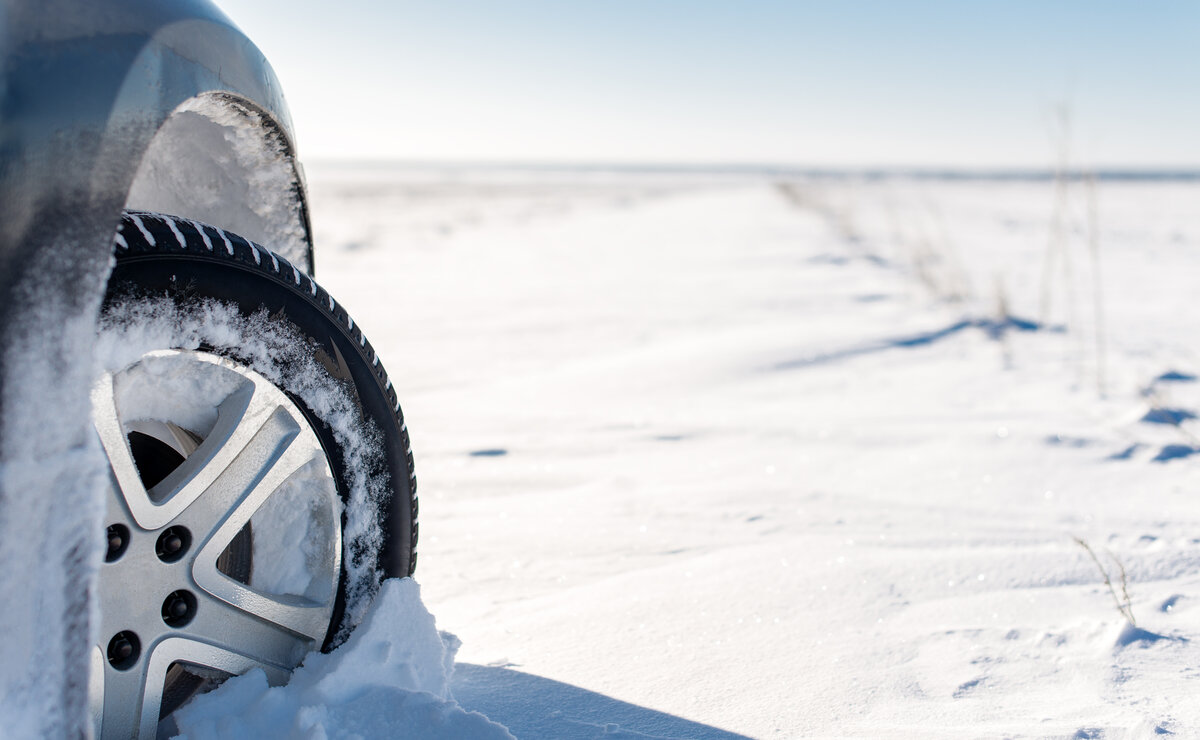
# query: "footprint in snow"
{"type": "Point", "coordinates": [1174, 452]}
{"type": "Point", "coordinates": [1174, 376]}
{"type": "Point", "coordinates": [968, 688]}
{"type": "Point", "coordinates": [1170, 376]}
{"type": "Point", "coordinates": [493, 452]}
{"type": "Point", "coordinates": [1163, 415]}
{"type": "Point", "coordinates": [1125, 454]}
{"type": "Point", "coordinates": [1169, 605]}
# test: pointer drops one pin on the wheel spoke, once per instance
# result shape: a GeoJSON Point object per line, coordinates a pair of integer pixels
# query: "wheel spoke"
{"type": "Point", "coordinates": [128, 697]}
{"type": "Point", "coordinates": [264, 461]}
{"type": "Point", "coordinates": [235, 631]}
{"type": "Point", "coordinates": [239, 419]}
{"type": "Point", "coordinates": [231, 504]}
{"type": "Point", "coordinates": [132, 699]}
{"type": "Point", "coordinates": [120, 459]}
{"type": "Point", "coordinates": [296, 614]}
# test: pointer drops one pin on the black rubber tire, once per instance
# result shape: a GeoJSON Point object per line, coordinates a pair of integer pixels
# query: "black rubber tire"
{"type": "Point", "coordinates": [189, 262]}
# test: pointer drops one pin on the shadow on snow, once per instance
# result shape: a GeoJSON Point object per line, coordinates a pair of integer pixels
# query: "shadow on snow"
{"type": "Point", "coordinates": [994, 328]}
{"type": "Point", "coordinates": [535, 708]}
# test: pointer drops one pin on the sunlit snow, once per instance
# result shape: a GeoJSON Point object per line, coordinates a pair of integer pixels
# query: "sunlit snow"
{"type": "Point", "coordinates": [718, 457]}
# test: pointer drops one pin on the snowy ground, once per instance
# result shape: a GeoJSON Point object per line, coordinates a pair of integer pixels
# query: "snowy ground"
{"type": "Point", "coordinates": [733, 457]}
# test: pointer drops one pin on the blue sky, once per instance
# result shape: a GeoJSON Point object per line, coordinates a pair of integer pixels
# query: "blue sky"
{"type": "Point", "coordinates": [937, 83]}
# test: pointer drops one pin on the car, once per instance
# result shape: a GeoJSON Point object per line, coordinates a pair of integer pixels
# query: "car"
{"type": "Point", "coordinates": [204, 468]}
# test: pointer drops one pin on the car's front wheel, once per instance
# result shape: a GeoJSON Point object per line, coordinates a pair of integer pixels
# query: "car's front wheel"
{"type": "Point", "coordinates": [261, 476]}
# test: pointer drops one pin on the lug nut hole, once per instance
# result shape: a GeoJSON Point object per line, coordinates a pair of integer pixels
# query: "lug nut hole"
{"type": "Point", "coordinates": [173, 543]}
{"type": "Point", "coordinates": [123, 650]}
{"type": "Point", "coordinates": [118, 540]}
{"type": "Point", "coordinates": [178, 608]}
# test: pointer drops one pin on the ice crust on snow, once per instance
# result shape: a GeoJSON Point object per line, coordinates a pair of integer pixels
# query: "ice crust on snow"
{"type": "Point", "coordinates": [391, 679]}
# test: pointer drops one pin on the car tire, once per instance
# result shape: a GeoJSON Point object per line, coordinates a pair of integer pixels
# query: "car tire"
{"type": "Point", "coordinates": [262, 476]}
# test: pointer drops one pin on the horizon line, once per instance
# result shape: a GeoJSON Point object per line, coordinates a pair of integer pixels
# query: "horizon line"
{"type": "Point", "coordinates": [941, 172]}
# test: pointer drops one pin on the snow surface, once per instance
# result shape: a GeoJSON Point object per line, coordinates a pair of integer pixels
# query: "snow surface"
{"type": "Point", "coordinates": [721, 457]}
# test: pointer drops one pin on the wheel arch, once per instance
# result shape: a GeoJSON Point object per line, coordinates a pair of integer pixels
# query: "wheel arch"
{"type": "Point", "coordinates": [221, 159]}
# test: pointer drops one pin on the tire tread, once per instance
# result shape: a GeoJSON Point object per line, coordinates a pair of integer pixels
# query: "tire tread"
{"type": "Point", "coordinates": [145, 232]}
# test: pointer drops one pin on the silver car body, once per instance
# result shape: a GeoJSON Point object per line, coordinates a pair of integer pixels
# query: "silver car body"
{"type": "Point", "coordinates": [104, 105]}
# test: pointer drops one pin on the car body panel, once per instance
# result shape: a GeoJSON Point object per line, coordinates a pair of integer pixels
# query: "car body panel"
{"type": "Point", "coordinates": [85, 89]}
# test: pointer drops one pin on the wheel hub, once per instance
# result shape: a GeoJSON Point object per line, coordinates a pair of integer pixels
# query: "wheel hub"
{"type": "Point", "coordinates": [188, 594]}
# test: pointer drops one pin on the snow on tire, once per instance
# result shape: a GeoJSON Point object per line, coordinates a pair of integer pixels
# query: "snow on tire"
{"type": "Point", "coordinates": [262, 477]}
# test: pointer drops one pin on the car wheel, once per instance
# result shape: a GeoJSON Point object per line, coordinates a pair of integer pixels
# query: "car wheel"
{"type": "Point", "coordinates": [261, 474]}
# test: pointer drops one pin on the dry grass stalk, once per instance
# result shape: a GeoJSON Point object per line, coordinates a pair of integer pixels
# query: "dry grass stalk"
{"type": "Point", "coordinates": [1123, 602]}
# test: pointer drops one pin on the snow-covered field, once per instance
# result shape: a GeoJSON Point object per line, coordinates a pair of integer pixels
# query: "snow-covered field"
{"type": "Point", "coordinates": [718, 457]}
